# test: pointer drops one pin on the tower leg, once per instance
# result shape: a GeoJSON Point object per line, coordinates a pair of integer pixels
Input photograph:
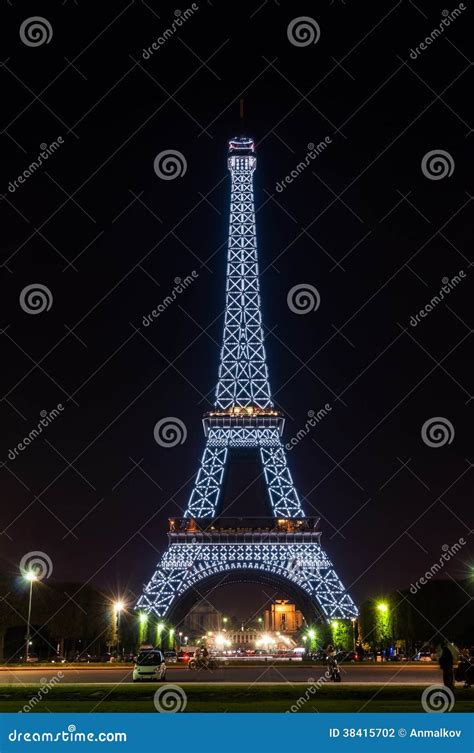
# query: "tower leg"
{"type": "Point", "coordinates": [205, 495]}
{"type": "Point", "coordinates": [283, 495]}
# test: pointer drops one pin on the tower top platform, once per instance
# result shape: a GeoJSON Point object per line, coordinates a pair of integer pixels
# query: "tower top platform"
{"type": "Point", "coordinates": [241, 145]}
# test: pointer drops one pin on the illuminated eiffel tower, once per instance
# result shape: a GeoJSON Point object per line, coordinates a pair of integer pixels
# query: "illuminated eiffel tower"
{"type": "Point", "coordinates": [205, 547]}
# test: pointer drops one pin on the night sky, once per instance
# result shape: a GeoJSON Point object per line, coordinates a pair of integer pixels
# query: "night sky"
{"type": "Point", "coordinates": [363, 224]}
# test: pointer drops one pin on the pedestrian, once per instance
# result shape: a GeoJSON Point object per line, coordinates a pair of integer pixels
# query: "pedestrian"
{"type": "Point", "coordinates": [469, 669]}
{"type": "Point", "coordinates": [446, 664]}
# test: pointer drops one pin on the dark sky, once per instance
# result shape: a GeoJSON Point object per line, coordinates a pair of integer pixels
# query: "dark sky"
{"type": "Point", "coordinates": [362, 224]}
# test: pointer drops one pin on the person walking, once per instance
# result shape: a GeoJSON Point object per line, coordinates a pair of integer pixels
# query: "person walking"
{"type": "Point", "coordinates": [446, 665]}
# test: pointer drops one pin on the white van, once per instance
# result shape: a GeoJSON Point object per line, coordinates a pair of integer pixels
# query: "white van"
{"type": "Point", "coordinates": [150, 665]}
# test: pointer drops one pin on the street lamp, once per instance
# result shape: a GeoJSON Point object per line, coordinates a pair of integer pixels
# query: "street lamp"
{"type": "Point", "coordinates": [118, 609]}
{"type": "Point", "coordinates": [353, 620]}
{"type": "Point", "coordinates": [159, 629]}
{"type": "Point", "coordinates": [30, 576]}
{"type": "Point", "coordinates": [382, 607]}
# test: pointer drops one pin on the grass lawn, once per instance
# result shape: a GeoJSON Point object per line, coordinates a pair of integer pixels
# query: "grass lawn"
{"type": "Point", "coordinates": [224, 697]}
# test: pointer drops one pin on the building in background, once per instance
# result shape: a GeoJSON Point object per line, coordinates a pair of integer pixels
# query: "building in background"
{"type": "Point", "coordinates": [283, 617]}
{"type": "Point", "coordinates": [203, 618]}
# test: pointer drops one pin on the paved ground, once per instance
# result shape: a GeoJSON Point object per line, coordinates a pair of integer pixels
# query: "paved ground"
{"type": "Point", "coordinates": [387, 673]}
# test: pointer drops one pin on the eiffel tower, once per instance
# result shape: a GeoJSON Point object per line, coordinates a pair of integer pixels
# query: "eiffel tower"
{"type": "Point", "coordinates": [206, 548]}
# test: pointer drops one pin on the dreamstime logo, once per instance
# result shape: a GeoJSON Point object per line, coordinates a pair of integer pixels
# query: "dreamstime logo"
{"type": "Point", "coordinates": [447, 20]}
{"type": "Point", "coordinates": [46, 686]}
{"type": "Point", "coordinates": [313, 420]}
{"type": "Point", "coordinates": [437, 164]}
{"type": "Point", "coordinates": [169, 699]}
{"type": "Point", "coordinates": [170, 431]}
{"type": "Point", "coordinates": [36, 298]}
{"type": "Point", "coordinates": [180, 17]}
{"type": "Point", "coordinates": [46, 418]}
{"type": "Point", "coordinates": [312, 688]}
{"type": "Point", "coordinates": [37, 562]}
{"type": "Point", "coordinates": [448, 553]}
{"type": "Point", "coordinates": [179, 286]}
{"type": "Point", "coordinates": [314, 150]}
{"type": "Point", "coordinates": [448, 286]}
{"type": "Point", "coordinates": [436, 699]}
{"type": "Point", "coordinates": [303, 31]}
{"type": "Point", "coordinates": [36, 31]}
{"type": "Point", "coordinates": [303, 298]}
{"type": "Point", "coordinates": [437, 432]}
{"type": "Point", "coordinates": [170, 164]}
{"type": "Point", "coordinates": [47, 150]}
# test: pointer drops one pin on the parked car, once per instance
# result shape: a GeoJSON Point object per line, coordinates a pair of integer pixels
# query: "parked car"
{"type": "Point", "coordinates": [423, 656]}
{"type": "Point", "coordinates": [150, 665]}
{"type": "Point", "coordinates": [351, 656]}
{"type": "Point", "coordinates": [185, 656]}
{"type": "Point", "coordinates": [171, 657]}
{"type": "Point", "coordinates": [82, 658]}
{"type": "Point", "coordinates": [57, 659]}
{"type": "Point", "coordinates": [32, 658]}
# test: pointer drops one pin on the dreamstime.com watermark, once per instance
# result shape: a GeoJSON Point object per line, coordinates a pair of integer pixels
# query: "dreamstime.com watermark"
{"type": "Point", "coordinates": [314, 150]}
{"type": "Point", "coordinates": [310, 691]}
{"type": "Point", "coordinates": [46, 151]}
{"type": "Point", "coordinates": [313, 420]}
{"type": "Point", "coordinates": [448, 553]}
{"type": "Point", "coordinates": [179, 287]}
{"type": "Point", "coordinates": [447, 20]}
{"type": "Point", "coordinates": [448, 286]}
{"type": "Point", "coordinates": [180, 18]}
{"type": "Point", "coordinates": [69, 735]}
{"type": "Point", "coordinates": [46, 686]}
{"type": "Point", "coordinates": [46, 419]}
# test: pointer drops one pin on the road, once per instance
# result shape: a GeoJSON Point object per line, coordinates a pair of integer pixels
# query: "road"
{"type": "Point", "coordinates": [351, 673]}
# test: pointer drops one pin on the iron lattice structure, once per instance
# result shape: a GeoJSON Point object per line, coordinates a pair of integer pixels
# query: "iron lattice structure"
{"type": "Point", "coordinates": [244, 417]}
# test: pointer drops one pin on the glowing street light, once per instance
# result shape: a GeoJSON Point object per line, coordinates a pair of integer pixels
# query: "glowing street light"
{"type": "Point", "coordinates": [143, 618]}
{"type": "Point", "coordinates": [312, 633]}
{"type": "Point", "coordinates": [353, 620]}
{"type": "Point", "coordinates": [382, 606]}
{"type": "Point", "coordinates": [30, 576]}
{"type": "Point", "coordinates": [119, 606]}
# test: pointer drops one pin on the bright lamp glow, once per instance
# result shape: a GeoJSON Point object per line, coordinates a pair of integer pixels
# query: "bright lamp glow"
{"type": "Point", "coordinates": [30, 575]}
{"type": "Point", "coordinates": [119, 606]}
{"type": "Point", "coordinates": [382, 607]}
{"type": "Point", "coordinates": [143, 618]}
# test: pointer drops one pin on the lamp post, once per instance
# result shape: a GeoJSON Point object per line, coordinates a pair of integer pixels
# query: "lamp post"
{"type": "Point", "coordinates": [383, 625]}
{"type": "Point", "coordinates": [31, 577]}
{"type": "Point", "coordinates": [353, 620]}
{"type": "Point", "coordinates": [118, 609]}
